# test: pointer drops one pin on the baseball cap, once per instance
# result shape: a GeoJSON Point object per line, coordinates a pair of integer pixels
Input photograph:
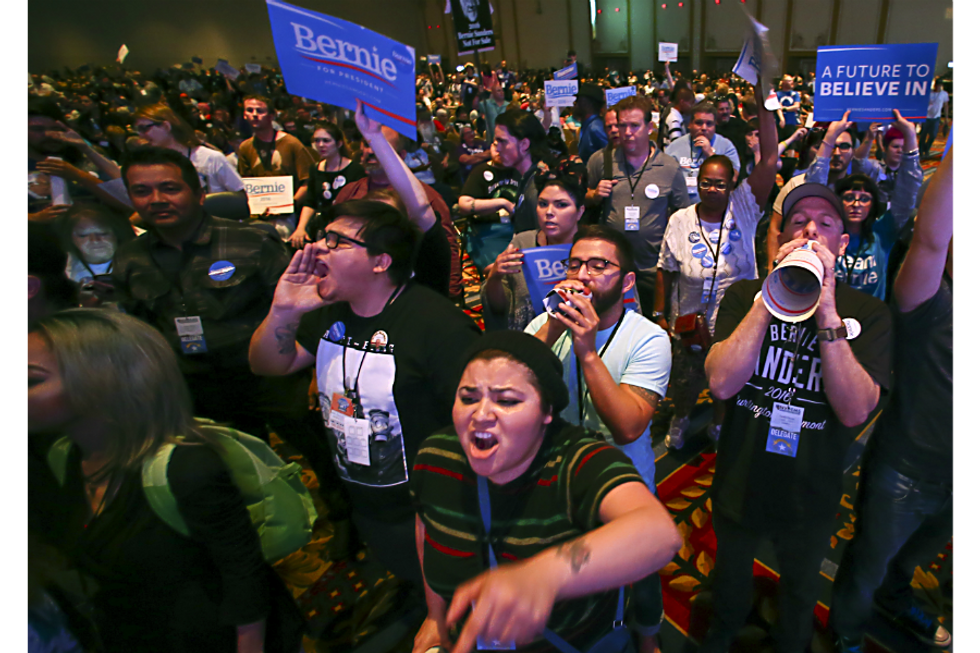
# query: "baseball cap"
{"type": "Point", "coordinates": [804, 191]}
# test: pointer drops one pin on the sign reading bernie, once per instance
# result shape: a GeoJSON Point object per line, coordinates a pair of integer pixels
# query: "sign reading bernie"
{"type": "Point", "coordinates": [337, 62]}
{"type": "Point", "coordinates": [871, 81]}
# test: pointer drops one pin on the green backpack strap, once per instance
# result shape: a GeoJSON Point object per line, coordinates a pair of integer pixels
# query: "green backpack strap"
{"type": "Point", "coordinates": [156, 487]}
{"type": "Point", "coordinates": [58, 458]}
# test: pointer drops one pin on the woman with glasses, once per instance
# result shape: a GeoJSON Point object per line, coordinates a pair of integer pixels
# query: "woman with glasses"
{"type": "Point", "coordinates": [560, 204]}
{"type": "Point", "coordinates": [707, 247]}
{"type": "Point", "coordinates": [159, 125]}
{"type": "Point", "coordinates": [327, 177]}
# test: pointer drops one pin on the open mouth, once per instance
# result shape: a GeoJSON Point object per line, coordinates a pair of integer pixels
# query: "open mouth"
{"type": "Point", "coordinates": [484, 441]}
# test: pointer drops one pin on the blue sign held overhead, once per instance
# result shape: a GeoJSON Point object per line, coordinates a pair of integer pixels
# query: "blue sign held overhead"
{"type": "Point", "coordinates": [614, 95]}
{"type": "Point", "coordinates": [335, 61]}
{"type": "Point", "coordinates": [871, 80]}
{"type": "Point", "coordinates": [568, 72]}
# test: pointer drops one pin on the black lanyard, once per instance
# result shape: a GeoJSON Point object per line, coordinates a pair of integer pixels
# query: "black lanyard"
{"type": "Point", "coordinates": [578, 370]}
{"type": "Point", "coordinates": [629, 178]}
{"type": "Point", "coordinates": [717, 252]}
{"type": "Point", "coordinates": [351, 391]}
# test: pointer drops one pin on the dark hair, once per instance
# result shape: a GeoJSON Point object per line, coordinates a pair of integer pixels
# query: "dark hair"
{"type": "Point", "coordinates": [523, 124]}
{"type": "Point", "coordinates": [386, 230]}
{"type": "Point", "coordinates": [722, 160]}
{"type": "Point", "coordinates": [258, 98]}
{"type": "Point", "coordinates": [547, 401]}
{"type": "Point", "coordinates": [624, 251]}
{"type": "Point", "coordinates": [43, 107]}
{"type": "Point", "coordinates": [568, 177]}
{"type": "Point", "coordinates": [150, 156]}
{"type": "Point", "coordinates": [705, 107]}
{"type": "Point", "coordinates": [335, 132]}
{"type": "Point", "coordinates": [749, 108]}
{"type": "Point", "coordinates": [813, 138]}
{"type": "Point", "coordinates": [752, 124]}
{"type": "Point", "coordinates": [635, 102]}
{"type": "Point", "coordinates": [863, 183]}
{"type": "Point", "coordinates": [46, 260]}
{"type": "Point", "coordinates": [680, 87]}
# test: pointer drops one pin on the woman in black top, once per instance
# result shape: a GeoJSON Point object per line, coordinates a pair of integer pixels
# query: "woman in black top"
{"type": "Point", "coordinates": [334, 171]}
{"type": "Point", "coordinates": [111, 384]}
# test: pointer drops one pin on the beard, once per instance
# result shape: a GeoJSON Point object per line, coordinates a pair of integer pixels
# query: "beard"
{"type": "Point", "coordinates": [606, 300]}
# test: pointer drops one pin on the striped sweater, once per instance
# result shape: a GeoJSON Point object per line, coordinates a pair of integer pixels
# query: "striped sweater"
{"type": "Point", "coordinates": [557, 499]}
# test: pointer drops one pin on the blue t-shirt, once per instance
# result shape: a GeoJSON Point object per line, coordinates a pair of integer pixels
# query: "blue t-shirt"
{"type": "Point", "coordinates": [640, 356]}
{"type": "Point", "coordinates": [788, 99]}
{"type": "Point", "coordinates": [592, 138]}
{"type": "Point", "coordinates": [864, 265]}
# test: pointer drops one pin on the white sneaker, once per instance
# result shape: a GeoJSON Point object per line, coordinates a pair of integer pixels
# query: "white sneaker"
{"type": "Point", "coordinates": [714, 432]}
{"type": "Point", "coordinates": [675, 434]}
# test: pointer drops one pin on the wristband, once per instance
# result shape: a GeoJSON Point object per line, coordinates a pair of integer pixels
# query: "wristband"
{"type": "Point", "coordinates": [914, 152]}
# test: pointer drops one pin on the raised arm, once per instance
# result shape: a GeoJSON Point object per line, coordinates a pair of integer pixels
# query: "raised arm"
{"type": "Point", "coordinates": [406, 184]}
{"type": "Point", "coordinates": [273, 350]}
{"type": "Point", "coordinates": [764, 175]}
{"type": "Point", "coordinates": [910, 174]}
{"type": "Point", "coordinates": [922, 271]}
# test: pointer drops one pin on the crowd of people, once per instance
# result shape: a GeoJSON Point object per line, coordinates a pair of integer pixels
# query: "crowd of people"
{"type": "Point", "coordinates": [506, 475]}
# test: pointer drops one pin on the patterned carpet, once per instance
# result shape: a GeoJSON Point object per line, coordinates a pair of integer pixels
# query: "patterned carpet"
{"type": "Point", "coordinates": [356, 604]}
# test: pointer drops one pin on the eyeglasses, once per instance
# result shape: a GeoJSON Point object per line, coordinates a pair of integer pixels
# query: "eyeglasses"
{"type": "Point", "coordinates": [851, 198]}
{"type": "Point", "coordinates": [843, 147]}
{"type": "Point", "coordinates": [705, 184]}
{"type": "Point", "coordinates": [333, 239]}
{"type": "Point", "coordinates": [142, 128]}
{"type": "Point", "coordinates": [594, 266]}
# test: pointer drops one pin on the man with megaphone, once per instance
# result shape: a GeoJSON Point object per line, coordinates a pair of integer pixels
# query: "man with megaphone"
{"type": "Point", "coordinates": [802, 362]}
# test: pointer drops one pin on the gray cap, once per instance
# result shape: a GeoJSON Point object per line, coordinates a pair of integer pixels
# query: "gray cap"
{"type": "Point", "coordinates": [804, 191]}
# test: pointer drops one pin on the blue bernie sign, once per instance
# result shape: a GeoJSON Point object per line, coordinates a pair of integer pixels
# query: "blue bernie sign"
{"type": "Point", "coordinates": [334, 61]}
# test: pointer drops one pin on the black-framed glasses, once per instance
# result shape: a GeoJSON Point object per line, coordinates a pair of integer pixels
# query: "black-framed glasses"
{"type": "Point", "coordinates": [334, 238]}
{"type": "Point", "coordinates": [852, 198]}
{"type": "Point", "coordinates": [705, 184]}
{"type": "Point", "coordinates": [593, 266]}
{"type": "Point", "coordinates": [145, 127]}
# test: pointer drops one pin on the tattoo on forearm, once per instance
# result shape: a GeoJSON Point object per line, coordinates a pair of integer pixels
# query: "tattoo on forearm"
{"type": "Point", "coordinates": [577, 552]}
{"type": "Point", "coordinates": [286, 338]}
{"type": "Point", "coordinates": [648, 396]}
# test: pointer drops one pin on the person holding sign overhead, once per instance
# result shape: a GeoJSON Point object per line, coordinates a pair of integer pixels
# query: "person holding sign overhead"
{"type": "Point", "coordinates": [707, 247]}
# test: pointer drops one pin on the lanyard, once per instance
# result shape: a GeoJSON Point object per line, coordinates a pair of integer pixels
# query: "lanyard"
{"type": "Point", "coordinates": [716, 253]}
{"type": "Point", "coordinates": [629, 178]}
{"type": "Point", "coordinates": [351, 391]}
{"type": "Point", "coordinates": [578, 370]}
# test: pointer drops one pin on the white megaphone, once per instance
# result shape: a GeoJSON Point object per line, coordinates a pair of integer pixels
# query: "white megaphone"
{"type": "Point", "coordinates": [791, 292]}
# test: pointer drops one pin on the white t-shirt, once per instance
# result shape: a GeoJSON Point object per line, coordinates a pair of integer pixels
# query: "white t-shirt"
{"type": "Point", "coordinates": [216, 172]}
{"type": "Point", "coordinates": [685, 251]}
{"type": "Point", "coordinates": [936, 101]}
{"type": "Point", "coordinates": [639, 355]}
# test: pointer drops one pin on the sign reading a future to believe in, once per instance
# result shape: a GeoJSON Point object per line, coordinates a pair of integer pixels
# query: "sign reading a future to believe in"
{"type": "Point", "coordinates": [871, 80]}
{"type": "Point", "coordinates": [473, 24]}
{"type": "Point", "coordinates": [334, 61]}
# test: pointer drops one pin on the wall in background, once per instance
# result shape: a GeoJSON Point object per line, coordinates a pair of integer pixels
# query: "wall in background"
{"type": "Point", "coordinates": [532, 33]}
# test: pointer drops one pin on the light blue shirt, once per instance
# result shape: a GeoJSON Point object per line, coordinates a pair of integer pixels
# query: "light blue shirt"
{"type": "Point", "coordinates": [690, 159]}
{"type": "Point", "coordinates": [640, 356]}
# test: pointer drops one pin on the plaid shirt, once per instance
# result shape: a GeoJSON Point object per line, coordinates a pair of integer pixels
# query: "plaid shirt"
{"type": "Point", "coordinates": [157, 283]}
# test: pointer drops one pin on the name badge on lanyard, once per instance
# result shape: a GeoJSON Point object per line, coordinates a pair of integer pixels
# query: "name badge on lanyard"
{"type": "Point", "coordinates": [784, 429]}
{"type": "Point", "coordinates": [356, 431]}
{"type": "Point", "coordinates": [632, 216]}
{"type": "Point", "coordinates": [191, 334]}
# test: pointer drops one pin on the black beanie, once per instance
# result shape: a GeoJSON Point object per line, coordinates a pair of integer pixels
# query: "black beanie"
{"type": "Point", "coordinates": [531, 352]}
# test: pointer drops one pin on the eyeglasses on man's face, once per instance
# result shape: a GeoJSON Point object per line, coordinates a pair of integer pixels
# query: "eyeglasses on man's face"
{"type": "Point", "coordinates": [593, 266]}
{"type": "Point", "coordinates": [334, 238]}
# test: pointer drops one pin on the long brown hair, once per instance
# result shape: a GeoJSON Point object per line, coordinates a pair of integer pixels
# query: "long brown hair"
{"type": "Point", "coordinates": [179, 129]}
{"type": "Point", "coordinates": [122, 371]}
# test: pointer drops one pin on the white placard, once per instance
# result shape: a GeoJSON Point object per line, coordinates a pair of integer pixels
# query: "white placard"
{"type": "Point", "coordinates": [756, 57]}
{"type": "Point", "coordinates": [253, 67]}
{"type": "Point", "coordinates": [668, 52]}
{"type": "Point", "coordinates": [123, 51]}
{"type": "Point", "coordinates": [273, 193]}
{"type": "Point", "coordinates": [560, 92]}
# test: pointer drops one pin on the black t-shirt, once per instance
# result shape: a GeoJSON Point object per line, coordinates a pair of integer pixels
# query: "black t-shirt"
{"type": "Point", "coordinates": [756, 487]}
{"type": "Point", "coordinates": [404, 363]}
{"type": "Point", "coordinates": [487, 181]}
{"type": "Point", "coordinates": [916, 432]}
{"type": "Point", "coordinates": [322, 188]}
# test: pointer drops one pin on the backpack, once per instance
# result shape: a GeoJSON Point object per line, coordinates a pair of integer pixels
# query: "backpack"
{"type": "Point", "coordinates": [278, 502]}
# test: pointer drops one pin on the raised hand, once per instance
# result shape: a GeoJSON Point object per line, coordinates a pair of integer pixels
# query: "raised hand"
{"type": "Point", "coordinates": [509, 261]}
{"type": "Point", "coordinates": [297, 287]}
{"type": "Point", "coordinates": [365, 125]}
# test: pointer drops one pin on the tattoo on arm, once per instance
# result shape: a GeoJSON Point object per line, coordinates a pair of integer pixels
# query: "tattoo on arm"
{"type": "Point", "coordinates": [577, 552]}
{"type": "Point", "coordinates": [286, 338]}
{"type": "Point", "coordinates": [648, 396]}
